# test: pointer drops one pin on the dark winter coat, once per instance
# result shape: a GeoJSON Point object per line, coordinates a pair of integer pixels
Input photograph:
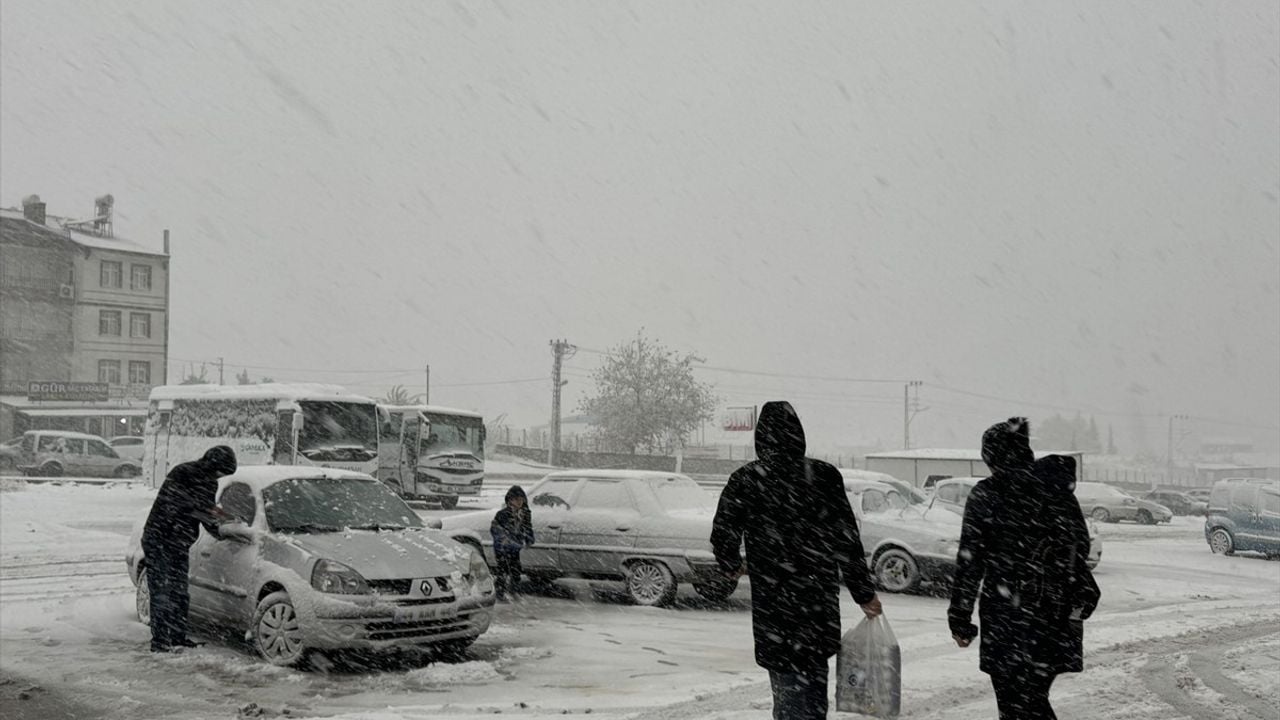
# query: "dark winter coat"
{"type": "Point", "coordinates": [512, 529]}
{"type": "Point", "coordinates": [185, 501]}
{"type": "Point", "coordinates": [1025, 542]}
{"type": "Point", "coordinates": [801, 539]}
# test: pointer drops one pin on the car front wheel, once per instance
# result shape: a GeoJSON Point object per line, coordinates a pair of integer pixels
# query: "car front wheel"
{"type": "Point", "coordinates": [1221, 542]}
{"type": "Point", "coordinates": [897, 571]}
{"type": "Point", "coordinates": [1100, 514]}
{"type": "Point", "coordinates": [142, 599]}
{"type": "Point", "coordinates": [1145, 518]}
{"type": "Point", "coordinates": [277, 631]}
{"type": "Point", "coordinates": [449, 502]}
{"type": "Point", "coordinates": [650, 583]}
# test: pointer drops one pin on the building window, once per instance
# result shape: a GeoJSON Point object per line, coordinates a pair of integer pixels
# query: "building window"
{"type": "Point", "coordinates": [139, 372]}
{"type": "Point", "coordinates": [109, 322]}
{"type": "Point", "coordinates": [111, 275]}
{"type": "Point", "coordinates": [140, 325]}
{"type": "Point", "coordinates": [140, 277]}
{"type": "Point", "coordinates": [109, 371]}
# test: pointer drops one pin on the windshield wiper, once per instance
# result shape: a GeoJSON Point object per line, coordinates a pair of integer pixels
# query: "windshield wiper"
{"type": "Point", "coordinates": [309, 528]}
{"type": "Point", "coordinates": [376, 527]}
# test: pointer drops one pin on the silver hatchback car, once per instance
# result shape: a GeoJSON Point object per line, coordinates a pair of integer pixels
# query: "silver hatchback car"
{"type": "Point", "coordinates": [325, 559]}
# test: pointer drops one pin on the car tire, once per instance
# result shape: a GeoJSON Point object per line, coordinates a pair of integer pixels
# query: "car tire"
{"type": "Point", "coordinates": [1100, 514]}
{"type": "Point", "coordinates": [448, 502]}
{"type": "Point", "coordinates": [897, 571]}
{"type": "Point", "coordinates": [650, 583]}
{"type": "Point", "coordinates": [1145, 518]}
{"type": "Point", "coordinates": [277, 632]}
{"type": "Point", "coordinates": [125, 472]}
{"type": "Point", "coordinates": [142, 599]}
{"type": "Point", "coordinates": [1221, 542]}
{"type": "Point", "coordinates": [716, 590]}
{"type": "Point", "coordinates": [452, 649]}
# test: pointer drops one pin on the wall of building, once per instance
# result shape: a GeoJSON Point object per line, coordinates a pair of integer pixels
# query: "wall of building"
{"type": "Point", "coordinates": [36, 310]}
{"type": "Point", "coordinates": [93, 297]}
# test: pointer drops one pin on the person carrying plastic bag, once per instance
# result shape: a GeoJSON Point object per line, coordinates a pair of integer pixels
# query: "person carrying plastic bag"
{"type": "Point", "coordinates": [802, 541]}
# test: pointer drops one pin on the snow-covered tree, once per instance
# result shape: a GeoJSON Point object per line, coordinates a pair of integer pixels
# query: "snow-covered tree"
{"type": "Point", "coordinates": [645, 396]}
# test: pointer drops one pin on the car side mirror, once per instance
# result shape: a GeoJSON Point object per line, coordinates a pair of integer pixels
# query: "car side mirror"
{"type": "Point", "coordinates": [435, 524]}
{"type": "Point", "coordinates": [237, 532]}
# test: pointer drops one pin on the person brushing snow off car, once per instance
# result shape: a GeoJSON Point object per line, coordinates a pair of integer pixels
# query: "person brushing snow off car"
{"type": "Point", "coordinates": [512, 530]}
{"type": "Point", "coordinates": [184, 503]}
{"type": "Point", "coordinates": [802, 540]}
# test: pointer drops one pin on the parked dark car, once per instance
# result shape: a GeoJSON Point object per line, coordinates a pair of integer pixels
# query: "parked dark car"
{"type": "Point", "coordinates": [1244, 515]}
{"type": "Point", "coordinates": [1179, 502]}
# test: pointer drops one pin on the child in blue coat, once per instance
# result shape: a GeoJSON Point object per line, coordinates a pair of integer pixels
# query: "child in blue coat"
{"type": "Point", "coordinates": [512, 530]}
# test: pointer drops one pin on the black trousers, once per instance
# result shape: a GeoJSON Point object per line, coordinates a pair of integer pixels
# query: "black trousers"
{"type": "Point", "coordinates": [170, 600]}
{"type": "Point", "coordinates": [799, 695]}
{"type": "Point", "coordinates": [1024, 696]}
{"type": "Point", "coordinates": [507, 574]}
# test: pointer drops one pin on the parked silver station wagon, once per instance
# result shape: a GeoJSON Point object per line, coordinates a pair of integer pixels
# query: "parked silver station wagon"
{"type": "Point", "coordinates": [326, 559]}
{"type": "Point", "coordinates": [58, 453]}
{"type": "Point", "coordinates": [651, 530]}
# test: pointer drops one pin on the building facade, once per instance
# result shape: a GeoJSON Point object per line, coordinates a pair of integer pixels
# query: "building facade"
{"type": "Point", "coordinates": [78, 305]}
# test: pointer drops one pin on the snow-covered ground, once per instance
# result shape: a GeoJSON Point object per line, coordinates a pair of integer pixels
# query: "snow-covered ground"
{"type": "Point", "coordinates": [1181, 633]}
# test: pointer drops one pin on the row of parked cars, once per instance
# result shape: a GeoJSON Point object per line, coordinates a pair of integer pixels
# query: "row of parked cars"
{"type": "Point", "coordinates": [320, 560]}
{"type": "Point", "coordinates": [59, 453]}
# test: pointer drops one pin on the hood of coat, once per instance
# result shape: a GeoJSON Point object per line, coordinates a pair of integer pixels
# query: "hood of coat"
{"type": "Point", "coordinates": [779, 434]}
{"type": "Point", "coordinates": [1057, 473]}
{"type": "Point", "coordinates": [1006, 446]}
{"type": "Point", "coordinates": [389, 554]}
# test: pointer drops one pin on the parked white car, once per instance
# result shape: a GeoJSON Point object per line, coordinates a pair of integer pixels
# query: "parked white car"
{"type": "Point", "coordinates": [650, 530]}
{"type": "Point", "coordinates": [128, 447]}
{"type": "Point", "coordinates": [59, 453]}
{"type": "Point", "coordinates": [906, 543]}
{"type": "Point", "coordinates": [325, 559]}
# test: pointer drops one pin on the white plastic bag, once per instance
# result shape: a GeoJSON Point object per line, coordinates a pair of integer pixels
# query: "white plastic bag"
{"type": "Point", "coordinates": [869, 669]}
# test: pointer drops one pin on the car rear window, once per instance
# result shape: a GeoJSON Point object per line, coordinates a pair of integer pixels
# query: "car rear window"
{"type": "Point", "coordinates": [1270, 502]}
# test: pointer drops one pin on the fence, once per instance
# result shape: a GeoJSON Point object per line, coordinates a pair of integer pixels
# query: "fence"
{"type": "Point", "coordinates": [1143, 478]}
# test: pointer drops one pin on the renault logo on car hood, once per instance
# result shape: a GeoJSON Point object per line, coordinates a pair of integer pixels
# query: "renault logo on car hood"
{"type": "Point", "coordinates": [425, 587]}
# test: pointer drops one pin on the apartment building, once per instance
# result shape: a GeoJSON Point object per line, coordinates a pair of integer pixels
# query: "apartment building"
{"type": "Point", "coordinates": [83, 322]}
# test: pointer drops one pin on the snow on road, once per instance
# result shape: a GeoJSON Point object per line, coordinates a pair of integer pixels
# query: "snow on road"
{"type": "Point", "coordinates": [1181, 633]}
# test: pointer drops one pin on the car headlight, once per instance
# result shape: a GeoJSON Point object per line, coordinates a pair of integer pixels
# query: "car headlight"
{"type": "Point", "coordinates": [334, 577]}
{"type": "Point", "coordinates": [479, 568]}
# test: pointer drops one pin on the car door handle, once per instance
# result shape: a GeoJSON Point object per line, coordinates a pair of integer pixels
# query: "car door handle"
{"type": "Point", "coordinates": [553, 527]}
{"type": "Point", "coordinates": [623, 528]}
{"type": "Point", "coordinates": [206, 553]}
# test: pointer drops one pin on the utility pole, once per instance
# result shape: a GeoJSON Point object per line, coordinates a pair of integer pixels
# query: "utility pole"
{"type": "Point", "coordinates": [560, 349]}
{"type": "Point", "coordinates": [219, 370]}
{"type": "Point", "coordinates": [1169, 457]}
{"type": "Point", "coordinates": [910, 408]}
{"type": "Point", "coordinates": [426, 397]}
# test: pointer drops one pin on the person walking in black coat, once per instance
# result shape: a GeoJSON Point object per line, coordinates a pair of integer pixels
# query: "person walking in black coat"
{"type": "Point", "coordinates": [1025, 541]}
{"type": "Point", "coordinates": [185, 502]}
{"type": "Point", "coordinates": [802, 540]}
{"type": "Point", "coordinates": [512, 530]}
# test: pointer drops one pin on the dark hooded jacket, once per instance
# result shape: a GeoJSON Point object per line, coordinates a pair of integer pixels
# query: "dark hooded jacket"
{"type": "Point", "coordinates": [801, 539]}
{"type": "Point", "coordinates": [1025, 542]}
{"type": "Point", "coordinates": [185, 500]}
{"type": "Point", "coordinates": [512, 530]}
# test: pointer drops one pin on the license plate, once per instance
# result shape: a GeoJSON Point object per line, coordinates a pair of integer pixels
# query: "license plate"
{"type": "Point", "coordinates": [425, 612]}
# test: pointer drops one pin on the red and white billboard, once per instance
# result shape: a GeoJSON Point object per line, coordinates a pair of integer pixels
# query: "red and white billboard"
{"type": "Point", "coordinates": [740, 418]}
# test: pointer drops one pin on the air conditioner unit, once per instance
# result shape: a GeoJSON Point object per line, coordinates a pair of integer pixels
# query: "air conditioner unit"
{"type": "Point", "coordinates": [67, 291]}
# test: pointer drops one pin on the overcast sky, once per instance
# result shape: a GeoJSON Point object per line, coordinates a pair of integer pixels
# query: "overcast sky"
{"type": "Point", "coordinates": [1068, 205]}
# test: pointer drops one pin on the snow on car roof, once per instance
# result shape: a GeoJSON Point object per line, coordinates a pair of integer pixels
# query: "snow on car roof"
{"type": "Point", "coordinates": [262, 476]}
{"type": "Point", "coordinates": [970, 481]}
{"type": "Point", "coordinates": [618, 474]}
{"type": "Point", "coordinates": [862, 484]}
{"type": "Point", "coordinates": [265, 391]}
{"type": "Point", "coordinates": [433, 409]}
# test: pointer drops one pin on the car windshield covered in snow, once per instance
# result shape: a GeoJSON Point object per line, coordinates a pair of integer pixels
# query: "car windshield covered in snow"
{"type": "Point", "coordinates": [681, 494]}
{"type": "Point", "coordinates": [333, 504]}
